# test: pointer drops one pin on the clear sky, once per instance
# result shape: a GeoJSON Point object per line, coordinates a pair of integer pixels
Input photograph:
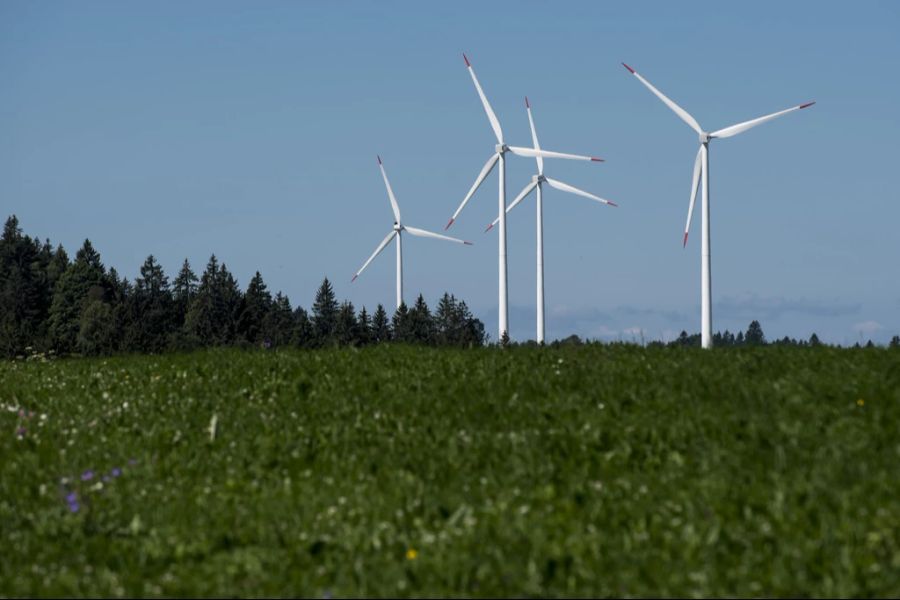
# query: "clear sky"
{"type": "Point", "coordinates": [250, 129]}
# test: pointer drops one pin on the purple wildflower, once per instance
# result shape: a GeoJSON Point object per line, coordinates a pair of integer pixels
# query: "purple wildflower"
{"type": "Point", "coordinates": [72, 501]}
{"type": "Point", "coordinates": [21, 431]}
{"type": "Point", "coordinates": [87, 475]}
{"type": "Point", "coordinates": [107, 478]}
{"type": "Point", "coordinates": [116, 472]}
{"type": "Point", "coordinates": [132, 461]}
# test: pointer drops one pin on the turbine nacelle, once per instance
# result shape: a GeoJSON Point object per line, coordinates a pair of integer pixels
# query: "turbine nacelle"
{"type": "Point", "coordinates": [705, 137]}
{"type": "Point", "coordinates": [501, 148]}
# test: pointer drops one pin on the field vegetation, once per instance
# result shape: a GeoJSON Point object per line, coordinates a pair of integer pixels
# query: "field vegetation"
{"type": "Point", "coordinates": [594, 470]}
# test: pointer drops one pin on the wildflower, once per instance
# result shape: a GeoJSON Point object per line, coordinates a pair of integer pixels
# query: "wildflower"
{"type": "Point", "coordinates": [87, 475]}
{"type": "Point", "coordinates": [412, 554]}
{"type": "Point", "coordinates": [20, 432]}
{"type": "Point", "coordinates": [72, 501]}
{"type": "Point", "coordinates": [860, 402]}
{"type": "Point", "coordinates": [116, 472]}
{"type": "Point", "coordinates": [132, 461]}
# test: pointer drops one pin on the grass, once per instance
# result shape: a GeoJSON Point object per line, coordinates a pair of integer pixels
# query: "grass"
{"type": "Point", "coordinates": [592, 471]}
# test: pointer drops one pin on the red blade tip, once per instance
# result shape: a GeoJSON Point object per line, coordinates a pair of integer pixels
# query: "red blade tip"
{"type": "Point", "coordinates": [379, 159]}
{"type": "Point", "coordinates": [527, 105]}
{"type": "Point", "coordinates": [449, 223]}
{"type": "Point", "coordinates": [467, 243]}
{"type": "Point", "coordinates": [354, 278]}
{"type": "Point", "coordinates": [629, 68]}
{"type": "Point", "coordinates": [685, 240]}
{"type": "Point", "coordinates": [595, 159]}
{"type": "Point", "coordinates": [611, 203]}
{"type": "Point", "coordinates": [466, 58]}
{"type": "Point", "coordinates": [808, 104]}
{"type": "Point", "coordinates": [489, 227]}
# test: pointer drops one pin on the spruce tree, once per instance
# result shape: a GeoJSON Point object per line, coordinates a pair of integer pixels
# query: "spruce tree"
{"type": "Point", "coordinates": [401, 327]}
{"type": "Point", "coordinates": [345, 326]}
{"type": "Point", "coordinates": [184, 288]}
{"type": "Point", "coordinates": [254, 311]}
{"type": "Point", "coordinates": [324, 314]}
{"type": "Point", "coordinates": [364, 328]}
{"type": "Point", "coordinates": [381, 327]}
{"type": "Point", "coordinates": [83, 282]}
{"type": "Point", "coordinates": [152, 309]}
{"type": "Point", "coordinates": [278, 325]}
{"type": "Point", "coordinates": [754, 335]}
{"type": "Point", "coordinates": [814, 340]}
{"type": "Point", "coordinates": [23, 290]}
{"type": "Point", "coordinates": [421, 323]}
{"type": "Point", "coordinates": [303, 335]}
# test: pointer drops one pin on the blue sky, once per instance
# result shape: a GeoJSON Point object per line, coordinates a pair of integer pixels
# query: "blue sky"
{"type": "Point", "coordinates": [250, 130]}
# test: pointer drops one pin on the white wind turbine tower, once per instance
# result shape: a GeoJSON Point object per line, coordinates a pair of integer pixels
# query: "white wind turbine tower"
{"type": "Point", "coordinates": [397, 232]}
{"type": "Point", "coordinates": [537, 182]}
{"type": "Point", "coordinates": [499, 156]}
{"type": "Point", "coordinates": [701, 167]}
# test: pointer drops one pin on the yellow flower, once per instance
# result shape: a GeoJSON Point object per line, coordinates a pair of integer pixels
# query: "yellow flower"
{"type": "Point", "coordinates": [411, 554]}
{"type": "Point", "coordinates": [860, 402]}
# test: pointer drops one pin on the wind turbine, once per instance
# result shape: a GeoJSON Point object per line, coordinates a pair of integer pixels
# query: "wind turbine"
{"type": "Point", "coordinates": [701, 167]}
{"type": "Point", "coordinates": [397, 232]}
{"type": "Point", "coordinates": [537, 182]}
{"type": "Point", "coordinates": [499, 156]}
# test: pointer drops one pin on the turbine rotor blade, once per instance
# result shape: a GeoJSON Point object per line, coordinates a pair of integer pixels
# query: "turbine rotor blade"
{"type": "Point", "coordinates": [565, 187]}
{"type": "Point", "coordinates": [695, 183]}
{"type": "Point", "coordinates": [485, 171]}
{"type": "Point", "coordinates": [687, 118]}
{"type": "Point", "coordinates": [495, 124]}
{"type": "Point", "coordinates": [390, 192]}
{"type": "Point", "coordinates": [534, 138]}
{"type": "Point", "coordinates": [537, 152]}
{"type": "Point", "coordinates": [742, 127]}
{"type": "Point", "coordinates": [522, 195]}
{"type": "Point", "coordinates": [422, 233]}
{"type": "Point", "coordinates": [378, 250]}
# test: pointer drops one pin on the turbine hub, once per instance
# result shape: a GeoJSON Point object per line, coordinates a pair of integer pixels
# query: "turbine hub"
{"type": "Point", "coordinates": [501, 148]}
{"type": "Point", "coordinates": [705, 137]}
{"type": "Point", "coordinates": [397, 226]}
{"type": "Point", "coordinates": [538, 178]}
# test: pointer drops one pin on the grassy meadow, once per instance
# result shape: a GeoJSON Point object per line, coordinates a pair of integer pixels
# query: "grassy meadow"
{"type": "Point", "coordinates": [399, 471]}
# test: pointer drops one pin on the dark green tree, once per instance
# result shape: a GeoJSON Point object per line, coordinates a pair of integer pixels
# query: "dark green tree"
{"type": "Point", "coordinates": [184, 289]}
{"type": "Point", "coordinates": [83, 282]}
{"type": "Point", "coordinates": [278, 326]}
{"type": "Point", "coordinates": [254, 311]}
{"type": "Point", "coordinates": [212, 317]}
{"type": "Point", "coordinates": [364, 328]}
{"type": "Point", "coordinates": [895, 342]}
{"type": "Point", "coordinates": [304, 334]}
{"type": "Point", "coordinates": [421, 323]}
{"type": "Point", "coordinates": [754, 335]}
{"type": "Point", "coordinates": [814, 340]}
{"type": "Point", "coordinates": [401, 327]}
{"type": "Point", "coordinates": [151, 314]}
{"type": "Point", "coordinates": [324, 315]}
{"type": "Point", "coordinates": [381, 327]}
{"type": "Point", "coordinates": [24, 290]}
{"type": "Point", "coordinates": [346, 326]}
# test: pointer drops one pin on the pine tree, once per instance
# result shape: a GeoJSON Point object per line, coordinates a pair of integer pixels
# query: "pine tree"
{"type": "Point", "coordinates": [184, 289]}
{"type": "Point", "coordinates": [151, 309]}
{"type": "Point", "coordinates": [401, 326]}
{"type": "Point", "coordinates": [303, 335]}
{"type": "Point", "coordinates": [212, 317]}
{"type": "Point", "coordinates": [345, 326]}
{"type": "Point", "coordinates": [421, 323]}
{"type": "Point", "coordinates": [23, 290]}
{"type": "Point", "coordinates": [381, 328]}
{"type": "Point", "coordinates": [278, 325]}
{"type": "Point", "coordinates": [814, 340]}
{"type": "Point", "coordinates": [754, 335]}
{"type": "Point", "coordinates": [895, 342]}
{"type": "Point", "coordinates": [83, 282]}
{"type": "Point", "coordinates": [324, 314]}
{"type": "Point", "coordinates": [254, 311]}
{"type": "Point", "coordinates": [364, 328]}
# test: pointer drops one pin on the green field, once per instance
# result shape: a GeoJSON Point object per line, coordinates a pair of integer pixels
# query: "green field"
{"type": "Point", "coordinates": [588, 471]}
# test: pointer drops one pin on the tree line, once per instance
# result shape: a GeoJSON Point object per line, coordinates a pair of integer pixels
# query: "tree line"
{"type": "Point", "coordinates": [49, 303]}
